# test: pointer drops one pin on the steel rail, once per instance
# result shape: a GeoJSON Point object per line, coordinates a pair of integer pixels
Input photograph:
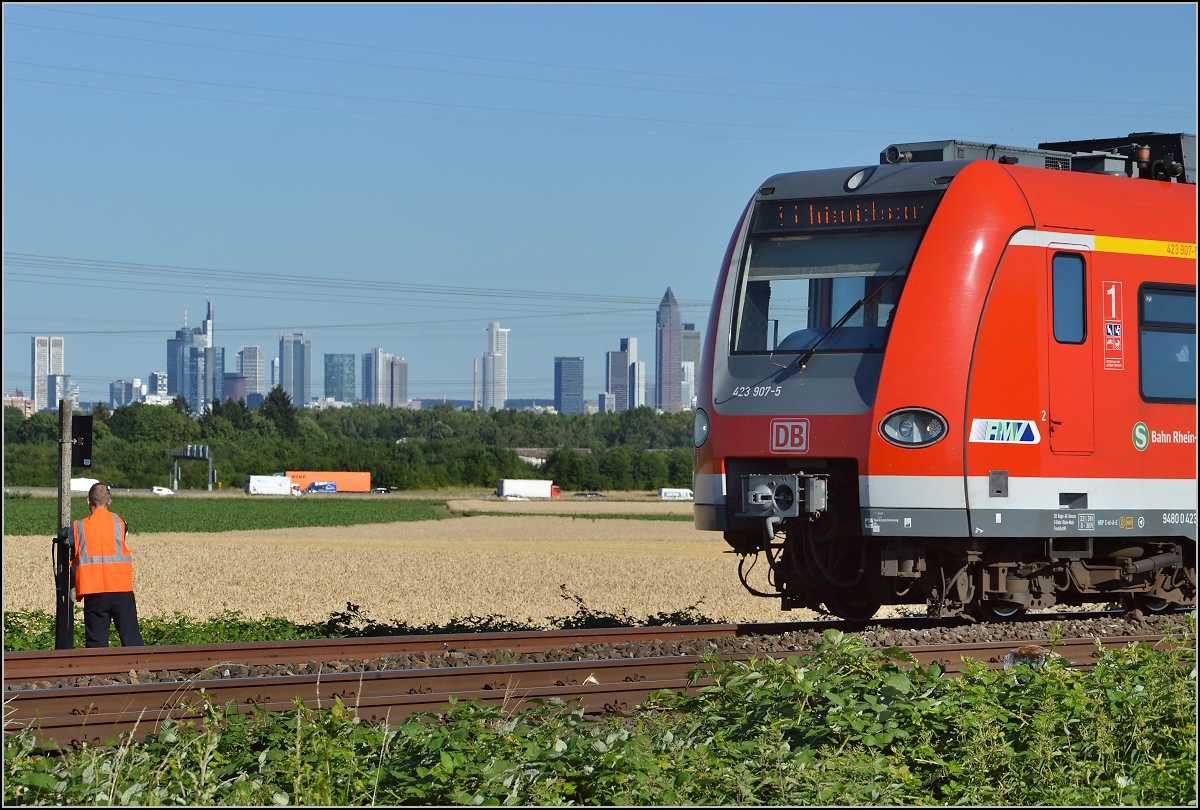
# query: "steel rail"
{"type": "Point", "coordinates": [44, 665]}
{"type": "Point", "coordinates": [99, 714]}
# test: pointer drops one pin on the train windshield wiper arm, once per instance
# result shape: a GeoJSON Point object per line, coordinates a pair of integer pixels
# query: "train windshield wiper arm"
{"type": "Point", "coordinates": [837, 327]}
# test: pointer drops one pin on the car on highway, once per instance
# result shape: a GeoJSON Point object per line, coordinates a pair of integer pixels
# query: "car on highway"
{"type": "Point", "coordinates": [588, 495]}
{"type": "Point", "coordinates": [515, 498]}
{"type": "Point", "coordinates": [382, 490]}
{"type": "Point", "coordinates": [162, 491]}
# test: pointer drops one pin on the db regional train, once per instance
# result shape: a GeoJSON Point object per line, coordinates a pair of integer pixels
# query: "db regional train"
{"type": "Point", "coordinates": [962, 378]}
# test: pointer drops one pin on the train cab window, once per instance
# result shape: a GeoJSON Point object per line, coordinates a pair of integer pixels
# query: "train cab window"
{"type": "Point", "coordinates": [1070, 301]}
{"type": "Point", "coordinates": [795, 289]}
{"type": "Point", "coordinates": [1167, 343]}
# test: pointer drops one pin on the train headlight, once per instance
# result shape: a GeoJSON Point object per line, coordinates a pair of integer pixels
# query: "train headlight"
{"type": "Point", "coordinates": [913, 427]}
{"type": "Point", "coordinates": [701, 429]}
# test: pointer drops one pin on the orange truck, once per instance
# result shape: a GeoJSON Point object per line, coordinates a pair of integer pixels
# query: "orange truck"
{"type": "Point", "coordinates": [322, 480]}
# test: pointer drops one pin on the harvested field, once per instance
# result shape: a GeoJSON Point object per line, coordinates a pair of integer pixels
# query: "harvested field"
{"type": "Point", "coordinates": [430, 571]}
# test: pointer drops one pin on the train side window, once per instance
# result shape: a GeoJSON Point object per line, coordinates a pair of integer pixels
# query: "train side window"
{"type": "Point", "coordinates": [1070, 301]}
{"type": "Point", "coordinates": [1167, 342]}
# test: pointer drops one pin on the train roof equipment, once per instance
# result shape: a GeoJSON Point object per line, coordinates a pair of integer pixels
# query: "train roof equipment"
{"type": "Point", "coordinates": [1146, 155]}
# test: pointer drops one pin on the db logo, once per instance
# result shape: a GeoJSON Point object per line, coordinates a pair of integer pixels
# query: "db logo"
{"type": "Point", "coordinates": [789, 435]}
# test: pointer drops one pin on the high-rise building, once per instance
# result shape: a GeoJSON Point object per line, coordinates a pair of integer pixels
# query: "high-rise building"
{"type": "Point", "coordinates": [495, 368]}
{"type": "Point", "coordinates": [568, 384]}
{"type": "Point", "coordinates": [616, 379]}
{"type": "Point", "coordinates": [376, 370]}
{"type": "Point", "coordinates": [398, 382]}
{"type": "Point", "coordinates": [689, 346]}
{"type": "Point", "coordinates": [667, 351]}
{"type": "Point", "coordinates": [48, 357]}
{"type": "Point", "coordinates": [295, 367]}
{"type": "Point", "coordinates": [251, 364]}
{"type": "Point", "coordinates": [191, 364]}
{"type": "Point", "coordinates": [274, 372]}
{"type": "Point", "coordinates": [605, 403]}
{"type": "Point", "coordinates": [235, 387]}
{"type": "Point", "coordinates": [60, 387]}
{"type": "Point", "coordinates": [637, 384]}
{"type": "Point", "coordinates": [158, 384]}
{"type": "Point", "coordinates": [687, 384]}
{"type": "Point", "coordinates": [177, 354]}
{"type": "Point", "coordinates": [636, 391]}
{"type": "Point", "coordinates": [121, 393]}
{"type": "Point", "coordinates": [212, 386]}
{"type": "Point", "coordinates": [339, 377]}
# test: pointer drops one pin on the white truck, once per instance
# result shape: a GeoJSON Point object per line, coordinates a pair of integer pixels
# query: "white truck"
{"type": "Point", "coordinates": [270, 485]}
{"type": "Point", "coordinates": [515, 488]}
{"type": "Point", "coordinates": [83, 485]}
{"type": "Point", "coordinates": [675, 494]}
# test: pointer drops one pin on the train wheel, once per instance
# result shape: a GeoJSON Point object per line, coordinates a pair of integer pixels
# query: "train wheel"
{"type": "Point", "coordinates": [997, 610]}
{"type": "Point", "coordinates": [1150, 605]}
{"type": "Point", "coordinates": [853, 608]}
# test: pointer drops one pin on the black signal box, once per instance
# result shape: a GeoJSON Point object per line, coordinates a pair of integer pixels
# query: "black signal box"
{"type": "Point", "coordinates": [81, 440]}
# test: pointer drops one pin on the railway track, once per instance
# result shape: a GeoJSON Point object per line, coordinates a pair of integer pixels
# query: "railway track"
{"type": "Point", "coordinates": [97, 714]}
{"type": "Point", "coordinates": [28, 667]}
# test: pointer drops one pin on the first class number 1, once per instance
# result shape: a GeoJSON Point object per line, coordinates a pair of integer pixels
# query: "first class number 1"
{"type": "Point", "coordinates": [758, 391]}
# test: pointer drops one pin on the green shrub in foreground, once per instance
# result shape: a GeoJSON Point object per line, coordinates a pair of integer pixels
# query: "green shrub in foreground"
{"type": "Point", "coordinates": [846, 726]}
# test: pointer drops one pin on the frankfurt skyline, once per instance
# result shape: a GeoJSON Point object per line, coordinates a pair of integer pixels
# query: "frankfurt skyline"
{"type": "Point", "coordinates": [288, 372]}
{"type": "Point", "coordinates": [401, 175]}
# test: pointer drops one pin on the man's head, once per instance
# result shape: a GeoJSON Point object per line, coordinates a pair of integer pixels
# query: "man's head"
{"type": "Point", "coordinates": [99, 496]}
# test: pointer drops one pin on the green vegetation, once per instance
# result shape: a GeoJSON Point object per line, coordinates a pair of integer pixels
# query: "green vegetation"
{"type": "Point", "coordinates": [35, 516]}
{"type": "Point", "coordinates": [26, 630]}
{"type": "Point", "coordinates": [846, 726]}
{"type": "Point", "coordinates": [428, 449]}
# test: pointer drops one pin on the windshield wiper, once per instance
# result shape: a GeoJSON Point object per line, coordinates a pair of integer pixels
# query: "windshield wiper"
{"type": "Point", "coordinates": [804, 358]}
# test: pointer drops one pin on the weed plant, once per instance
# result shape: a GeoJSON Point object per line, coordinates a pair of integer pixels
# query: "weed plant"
{"type": "Point", "coordinates": [846, 726]}
{"type": "Point", "coordinates": [35, 629]}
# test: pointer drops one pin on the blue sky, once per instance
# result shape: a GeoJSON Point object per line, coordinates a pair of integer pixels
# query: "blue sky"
{"type": "Point", "coordinates": [400, 175]}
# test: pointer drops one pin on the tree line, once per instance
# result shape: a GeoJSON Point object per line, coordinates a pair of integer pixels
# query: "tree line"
{"type": "Point", "coordinates": [426, 449]}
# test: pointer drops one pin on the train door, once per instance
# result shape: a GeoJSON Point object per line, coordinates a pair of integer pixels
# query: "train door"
{"type": "Point", "coordinates": [1070, 358]}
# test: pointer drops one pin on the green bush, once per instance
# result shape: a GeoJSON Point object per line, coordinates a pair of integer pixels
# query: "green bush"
{"type": "Point", "coordinates": [845, 726]}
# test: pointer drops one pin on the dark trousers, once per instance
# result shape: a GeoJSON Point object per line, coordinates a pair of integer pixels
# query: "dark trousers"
{"type": "Point", "coordinates": [101, 608]}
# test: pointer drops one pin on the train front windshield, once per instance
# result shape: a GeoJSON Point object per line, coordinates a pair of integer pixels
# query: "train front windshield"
{"type": "Point", "coordinates": [800, 277]}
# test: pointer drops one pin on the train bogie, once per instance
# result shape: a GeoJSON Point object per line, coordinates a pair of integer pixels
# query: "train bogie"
{"type": "Point", "coordinates": [964, 384]}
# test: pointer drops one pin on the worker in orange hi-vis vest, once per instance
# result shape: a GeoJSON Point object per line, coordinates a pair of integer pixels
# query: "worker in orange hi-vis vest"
{"type": "Point", "coordinates": [103, 573]}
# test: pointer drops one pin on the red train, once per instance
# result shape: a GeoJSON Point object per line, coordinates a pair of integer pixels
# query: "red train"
{"type": "Point", "coordinates": [963, 378]}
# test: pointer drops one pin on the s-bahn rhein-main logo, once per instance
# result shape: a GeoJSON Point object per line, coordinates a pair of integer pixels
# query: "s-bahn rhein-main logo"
{"type": "Point", "coordinates": [789, 435]}
{"type": "Point", "coordinates": [1005, 431]}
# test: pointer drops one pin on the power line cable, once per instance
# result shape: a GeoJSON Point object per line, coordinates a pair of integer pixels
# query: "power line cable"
{"type": "Point", "coordinates": [566, 82]}
{"type": "Point", "coordinates": [421, 117]}
{"type": "Point", "coordinates": [240, 276]}
{"type": "Point", "coordinates": [625, 71]}
{"type": "Point", "coordinates": [522, 111]}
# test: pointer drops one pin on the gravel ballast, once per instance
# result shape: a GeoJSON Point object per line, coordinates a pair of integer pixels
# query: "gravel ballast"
{"type": "Point", "coordinates": [1019, 633]}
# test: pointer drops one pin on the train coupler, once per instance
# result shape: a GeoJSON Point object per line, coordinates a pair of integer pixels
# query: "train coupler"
{"type": "Point", "coordinates": [775, 498]}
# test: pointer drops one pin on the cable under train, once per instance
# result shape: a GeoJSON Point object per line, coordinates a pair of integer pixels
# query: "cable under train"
{"type": "Point", "coordinates": [963, 377]}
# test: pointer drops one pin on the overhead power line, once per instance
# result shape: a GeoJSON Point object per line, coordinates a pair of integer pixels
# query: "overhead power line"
{"type": "Point", "coordinates": [518, 110]}
{"type": "Point", "coordinates": [421, 117]}
{"type": "Point", "coordinates": [892, 90]}
{"type": "Point", "coordinates": [566, 82]}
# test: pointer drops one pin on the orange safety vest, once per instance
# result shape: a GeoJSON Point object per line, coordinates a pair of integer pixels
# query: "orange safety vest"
{"type": "Point", "coordinates": [102, 563]}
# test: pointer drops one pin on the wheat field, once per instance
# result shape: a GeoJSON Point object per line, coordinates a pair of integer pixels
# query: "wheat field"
{"type": "Point", "coordinates": [432, 571]}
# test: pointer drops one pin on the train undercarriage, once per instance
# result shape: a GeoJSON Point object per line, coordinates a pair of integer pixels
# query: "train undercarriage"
{"type": "Point", "coordinates": [989, 580]}
{"type": "Point", "coordinates": [818, 560]}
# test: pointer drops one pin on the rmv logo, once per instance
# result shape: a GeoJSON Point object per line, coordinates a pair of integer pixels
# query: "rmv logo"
{"type": "Point", "coordinates": [1005, 431]}
{"type": "Point", "coordinates": [789, 435]}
